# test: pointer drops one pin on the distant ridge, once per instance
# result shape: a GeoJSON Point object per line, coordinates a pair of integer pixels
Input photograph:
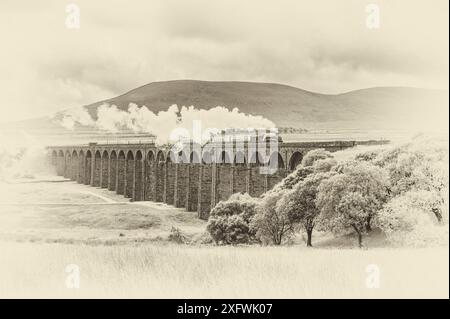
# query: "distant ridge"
{"type": "Point", "coordinates": [287, 106]}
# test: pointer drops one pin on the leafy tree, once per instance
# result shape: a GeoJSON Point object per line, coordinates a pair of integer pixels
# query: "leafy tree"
{"type": "Point", "coordinates": [351, 199]}
{"type": "Point", "coordinates": [314, 155]}
{"type": "Point", "coordinates": [409, 218]}
{"type": "Point", "coordinates": [314, 161]}
{"type": "Point", "coordinates": [300, 203]}
{"type": "Point", "coordinates": [294, 178]}
{"type": "Point", "coordinates": [229, 221]}
{"type": "Point", "coordinates": [271, 224]}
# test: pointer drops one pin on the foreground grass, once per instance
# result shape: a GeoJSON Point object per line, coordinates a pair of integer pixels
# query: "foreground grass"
{"type": "Point", "coordinates": [179, 271]}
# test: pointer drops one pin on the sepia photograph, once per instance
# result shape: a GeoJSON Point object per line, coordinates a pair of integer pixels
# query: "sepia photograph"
{"type": "Point", "coordinates": [204, 150]}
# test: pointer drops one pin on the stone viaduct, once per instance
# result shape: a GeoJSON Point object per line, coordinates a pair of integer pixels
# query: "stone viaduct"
{"type": "Point", "coordinates": [146, 172]}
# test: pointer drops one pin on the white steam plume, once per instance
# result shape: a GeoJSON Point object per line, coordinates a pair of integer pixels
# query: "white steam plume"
{"type": "Point", "coordinates": [163, 124]}
{"type": "Point", "coordinates": [76, 115]}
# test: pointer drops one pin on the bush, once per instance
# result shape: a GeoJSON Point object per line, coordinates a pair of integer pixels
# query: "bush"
{"type": "Point", "coordinates": [315, 155]}
{"type": "Point", "coordinates": [352, 198]}
{"type": "Point", "coordinates": [229, 221]}
{"type": "Point", "coordinates": [409, 219]}
{"type": "Point", "coordinates": [272, 224]}
{"type": "Point", "coordinates": [177, 236]}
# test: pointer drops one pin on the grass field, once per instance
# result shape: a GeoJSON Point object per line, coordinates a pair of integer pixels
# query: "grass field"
{"type": "Point", "coordinates": [122, 250]}
{"type": "Point", "coordinates": [174, 271]}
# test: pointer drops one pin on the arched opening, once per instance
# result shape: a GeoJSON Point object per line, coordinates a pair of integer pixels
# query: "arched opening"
{"type": "Point", "coordinates": [194, 158]}
{"type": "Point", "coordinates": [129, 175]}
{"type": "Point", "coordinates": [256, 159]}
{"type": "Point", "coordinates": [67, 165]}
{"type": "Point", "coordinates": [54, 158]}
{"type": "Point", "coordinates": [104, 170]}
{"type": "Point", "coordinates": [120, 173]}
{"type": "Point", "coordinates": [74, 166]}
{"type": "Point", "coordinates": [183, 157]}
{"type": "Point", "coordinates": [88, 166]}
{"type": "Point", "coordinates": [169, 187]}
{"type": "Point", "coordinates": [295, 160]}
{"type": "Point", "coordinates": [160, 156]}
{"type": "Point", "coordinates": [149, 179]}
{"type": "Point", "coordinates": [150, 156]}
{"type": "Point", "coordinates": [239, 159]}
{"type": "Point", "coordinates": [170, 158]}
{"type": "Point", "coordinates": [206, 157]}
{"type": "Point", "coordinates": [193, 183]}
{"type": "Point", "coordinates": [276, 161]}
{"type": "Point", "coordinates": [159, 177]}
{"type": "Point", "coordinates": [225, 158]}
{"type": "Point", "coordinates": [97, 169]}
{"type": "Point", "coordinates": [82, 168]}
{"type": "Point", "coordinates": [112, 171]}
{"type": "Point", "coordinates": [138, 177]}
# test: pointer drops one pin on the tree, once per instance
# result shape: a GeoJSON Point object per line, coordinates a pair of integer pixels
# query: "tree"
{"type": "Point", "coordinates": [410, 218]}
{"type": "Point", "coordinates": [315, 155]}
{"type": "Point", "coordinates": [300, 203]}
{"type": "Point", "coordinates": [314, 161]}
{"type": "Point", "coordinates": [229, 221]}
{"type": "Point", "coordinates": [294, 178]}
{"type": "Point", "coordinates": [271, 224]}
{"type": "Point", "coordinates": [351, 199]}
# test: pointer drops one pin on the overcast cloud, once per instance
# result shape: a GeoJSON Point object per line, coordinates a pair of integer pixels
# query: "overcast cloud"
{"type": "Point", "coordinates": [321, 45]}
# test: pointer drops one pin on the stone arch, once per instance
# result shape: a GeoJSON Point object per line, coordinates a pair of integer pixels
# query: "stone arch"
{"type": "Point", "coordinates": [67, 164]}
{"type": "Point", "coordinates": [120, 189]}
{"type": "Point", "coordinates": [160, 157]}
{"type": "Point", "coordinates": [170, 158]}
{"type": "Point", "coordinates": [239, 158]}
{"type": "Point", "coordinates": [82, 168]}
{"type": "Point", "coordinates": [74, 166]}
{"type": "Point", "coordinates": [159, 176]}
{"type": "Point", "coordinates": [149, 179]}
{"type": "Point", "coordinates": [276, 160]}
{"type": "Point", "coordinates": [225, 158]}
{"type": "Point", "coordinates": [295, 160]}
{"type": "Point", "coordinates": [182, 157]}
{"type": "Point", "coordinates": [97, 169]}
{"type": "Point", "coordinates": [150, 156]}
{"type": "Point", "coordinates": [169, 187]}
{"type": "Point", "coordinates": [54, 158]}
{"type": "Point", "coordinates": [112, 171]}
{"type": "Point", "coordinates": [88, 166]}
{"type": "Point", "coordinates": [207, 157]}
{"type": "Point", "coordinates": [129, 175]}
{"type": "Point", "coordinates": [194, 158]}
{"type": "Point", "coordinates": [104, 169]}
{"type": "Point", "coordinates": [256, 159]}
{"type": "Point", "coordinates": [138, 177]}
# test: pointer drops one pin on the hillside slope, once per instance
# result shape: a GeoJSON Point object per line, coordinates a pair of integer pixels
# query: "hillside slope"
{"type": "Point", "coordinates": [287, 106]}
{"type": "Point", "coordinates": [372, 109]}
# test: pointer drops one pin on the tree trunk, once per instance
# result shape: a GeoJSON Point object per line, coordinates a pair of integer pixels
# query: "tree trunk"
{"type": "Point", "coordinates": [359, 233]}
{"type": "Point", "coordinates": [360, 240]}
{"type": "Point", "coordinates": [309, 240]}
{"type": "Point", "coordinates": [368, 225]}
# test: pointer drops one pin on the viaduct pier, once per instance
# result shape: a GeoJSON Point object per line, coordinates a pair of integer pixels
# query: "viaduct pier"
{"type": "Point", "coordinates": [147, 172]}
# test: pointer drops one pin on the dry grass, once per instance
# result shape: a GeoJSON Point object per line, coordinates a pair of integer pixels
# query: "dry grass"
{"type": "Point", "coordinates": [122, 251]}
{"type": "Point", "coordinates": [178, 271]}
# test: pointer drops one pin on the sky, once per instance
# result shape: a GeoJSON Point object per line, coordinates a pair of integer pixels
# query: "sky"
{"type": "Point", "coordinates": [323, 46]}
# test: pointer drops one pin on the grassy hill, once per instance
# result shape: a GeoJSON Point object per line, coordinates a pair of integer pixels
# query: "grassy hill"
{"type": "Point", "coordinates": [287, 106]}
{"type": "Point", "coordinates": [372, 109]}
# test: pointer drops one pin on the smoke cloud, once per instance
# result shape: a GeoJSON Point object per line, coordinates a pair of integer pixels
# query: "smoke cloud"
{"type": "Point", "coordinates": [168, 126]}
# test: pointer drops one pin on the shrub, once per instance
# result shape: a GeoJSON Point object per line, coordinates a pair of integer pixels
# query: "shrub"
{"type": "Point", "coordinates": [271, 224]}
{"type": "Point", "coordinates": [229, 221]}
{"type": "Point", "coordinates": [352, 199]}
{"type": "Point", "coordinates": [315, 155]}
